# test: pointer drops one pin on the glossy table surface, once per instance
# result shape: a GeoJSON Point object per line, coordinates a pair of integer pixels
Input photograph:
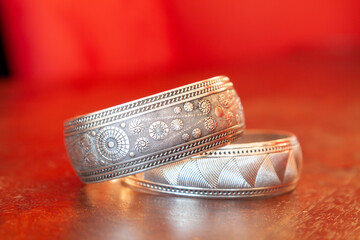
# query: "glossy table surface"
{"type": "Point", "coordinates": [318, 100]}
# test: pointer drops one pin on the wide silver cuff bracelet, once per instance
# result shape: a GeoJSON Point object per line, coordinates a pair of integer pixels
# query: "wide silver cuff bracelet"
{"type": "Point", "coordinates": [259, 163]}
{"type": "Point", "coordinates": [154, 131]}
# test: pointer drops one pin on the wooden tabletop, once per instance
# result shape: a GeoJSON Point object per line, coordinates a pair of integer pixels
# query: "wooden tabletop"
{"type": "Point", "coordinates": [317, 99]}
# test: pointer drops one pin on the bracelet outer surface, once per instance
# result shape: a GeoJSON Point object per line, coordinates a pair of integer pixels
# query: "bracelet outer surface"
{"type": "Point", "coordinates": [154, 131]}
{"type": "Point", "coordinates": [260, 163]}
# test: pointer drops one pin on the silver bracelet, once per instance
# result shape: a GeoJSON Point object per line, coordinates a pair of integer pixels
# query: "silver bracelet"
{"type": "Point", "coordinates": [259, 163]}
{"type": "Point", "coordinates": [154, 131]}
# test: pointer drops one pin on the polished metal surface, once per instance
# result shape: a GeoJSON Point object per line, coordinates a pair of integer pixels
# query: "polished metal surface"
{"type": "Point", "coordinates": [259, 163]}
{"type": "Point", "coordinates": [154, 131]}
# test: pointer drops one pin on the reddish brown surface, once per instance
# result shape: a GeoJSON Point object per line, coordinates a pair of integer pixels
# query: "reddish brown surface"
{"type": "Point", "coordinates": [319, 100]}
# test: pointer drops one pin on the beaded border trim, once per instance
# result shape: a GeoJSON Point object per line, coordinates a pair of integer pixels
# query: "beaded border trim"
{"type": "Point", "coordinates": [151, 187]}
{"type": "Point", "coordinates": [141, 106]}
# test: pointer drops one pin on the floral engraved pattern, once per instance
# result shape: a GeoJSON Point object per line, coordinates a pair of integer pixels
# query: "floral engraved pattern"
{"type": "Point", "coordinates": [205, 106]}
{"type": "Point", "coordinates": [196, 133]}
{"type": "Point", "coordinates": [158, 130]}
{"type": "Point", "coordinates": [231, 96]}
{"type": "Point", "coordinates": [229, 118]}
{"type": "Point", "coordinates": [177, 110]}
{"type": "Point", "coordinates": [142, 144]}
{"type": "Point", "coordinates": [189, 107]}
{"type": "Point", "coordinates": [177, 124]}
{"type": "Point", "coordinates": [185, 137]}
{"type": "Point", "coordinates": [136, 126]}
{"type": "Point", "coordinates": [210, 124]}
{"type": "Point", "coordinates": [239, 118]}
{"type": "Point", "coordinates": [112, 143]}
{"type": "Point", "coordinates": [224, 100]}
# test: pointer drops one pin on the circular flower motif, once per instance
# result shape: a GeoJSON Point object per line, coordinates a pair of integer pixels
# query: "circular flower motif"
{"type": "Point", "coordinates": [177, 124]}
{"type": "Point", "coordinates": [142, 144]}
{"type": "Point", "coordinates": [219, 112]}
{"type": "Point", "coordinates": [189, 107]}
{"type": "Point", "coordinates": [112, 143]}
{"type": "Point", "coordinates": [185, 137]}
{"type": "Point", "coordinates": [196, 133]}
{"type": "Point", "coordinates": [238, 118]}
{"type": "Point", "coordinates": [224, 100]}
{"type": "Point", "coordinates": [177, 110]}
{"type": "Point", "coordinates": [210, 124]}
{"type": "Point", "coordinates": [158, 130]}
{"type": "Point", "coordinates": [230, 95]}
{"type": "Point", "coordinates": [229, 118]}
{"type": "Point", "coordinates": [136, 126]}
{"type": "Point", "coordinates": [205, 106]}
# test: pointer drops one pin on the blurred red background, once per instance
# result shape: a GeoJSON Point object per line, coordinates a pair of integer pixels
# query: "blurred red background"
{"type": "Point", "coordinates": [63, 40]}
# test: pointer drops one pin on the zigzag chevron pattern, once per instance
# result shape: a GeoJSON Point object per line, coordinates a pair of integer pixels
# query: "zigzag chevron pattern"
{"type": "Point", "coordinates": [251, 171]}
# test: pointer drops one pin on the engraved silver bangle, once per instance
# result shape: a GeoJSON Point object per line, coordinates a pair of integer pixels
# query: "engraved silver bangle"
{"type": "Point", "coordinates": [259, 163]}
{"type": "Point", "coordinates": [154, 131]}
